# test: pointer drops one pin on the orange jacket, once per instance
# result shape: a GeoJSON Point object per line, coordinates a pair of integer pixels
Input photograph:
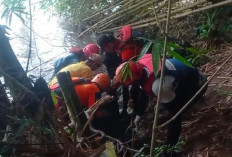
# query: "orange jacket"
{"type": "Point", "coordinates": [86, 92]}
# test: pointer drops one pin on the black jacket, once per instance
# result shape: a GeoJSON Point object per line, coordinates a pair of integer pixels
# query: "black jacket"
{"type": "Point", "coordinates": [111, 61]}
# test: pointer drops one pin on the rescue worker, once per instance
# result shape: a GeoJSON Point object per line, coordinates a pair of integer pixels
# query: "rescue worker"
{"type": "Point", "coordinates": [76, 55]}
{"type": "Point", "coordinates": [82, 69]}
{"type": "Point", "coordinates": [88, 92]}
{"type": "Point", "coordinates": [109, 46]}
{"type": "Point", "coordinates": [180, 84]}
{"type": "Point", "coordinates": [129, 46]}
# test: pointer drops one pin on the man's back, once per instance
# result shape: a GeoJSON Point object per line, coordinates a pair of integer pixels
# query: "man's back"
{"type": "Point", "coordinates": [79, 69]}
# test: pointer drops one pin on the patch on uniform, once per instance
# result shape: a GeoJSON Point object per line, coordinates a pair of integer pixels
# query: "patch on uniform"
{"type": "Point", "coordinates": [169, 65]}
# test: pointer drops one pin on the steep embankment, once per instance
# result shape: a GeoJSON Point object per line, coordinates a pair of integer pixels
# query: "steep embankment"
{"type": "Point", "coordinates": [207, 128]}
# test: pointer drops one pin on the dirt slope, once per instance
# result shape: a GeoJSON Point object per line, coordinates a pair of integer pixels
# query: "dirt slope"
{"type": "Point", "coordinates": [207, 128]}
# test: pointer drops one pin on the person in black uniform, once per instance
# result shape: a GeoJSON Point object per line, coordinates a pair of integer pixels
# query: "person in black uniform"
{"type": "Point", "coordinates": [109, 46]}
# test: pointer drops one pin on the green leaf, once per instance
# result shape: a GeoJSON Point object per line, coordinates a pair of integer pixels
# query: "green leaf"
{"type": "Point", "coordinates": [10, 18]}
{"type": "Point", "coordinates": [139, 152]}
{"type": "Point", "coordinates": [179, 57]}
{"type": "Point", "coordinates": [130, 73]}
{"type": "Point", "coordinates": [156, 50]}
{"type": "Point", "coordinates": [176, 46]}
{"type": "Point", "coordinates": [125, 74]}
{"type": "Point", "coordinates": [54, 97]}
{"type": "Point", "coordinates": [145, 49]}
{"type": "Point", "coordinates": [5, 13]}
{"type": "Point", "coordinates": [199, 51]}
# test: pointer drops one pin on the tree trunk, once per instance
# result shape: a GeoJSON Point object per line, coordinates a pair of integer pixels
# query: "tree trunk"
{"type": "Point", "coordinates": [4, 107]}
{"type": "Point", "coordinates": [11, 69]}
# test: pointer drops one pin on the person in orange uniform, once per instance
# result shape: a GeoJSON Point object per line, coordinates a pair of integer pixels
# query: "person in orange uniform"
{"type": "Point", "coordinates": [88, 91]}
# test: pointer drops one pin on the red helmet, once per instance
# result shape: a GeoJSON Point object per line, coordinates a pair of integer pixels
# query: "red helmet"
{"type": "Point", "coordinates": [74, 49]}
{"type": "Point", "coordinates": [126, 33]}
{"type": "Point", "coordinates": [136, 70]}
{"type": "Point", "coordinates": [91, 49]}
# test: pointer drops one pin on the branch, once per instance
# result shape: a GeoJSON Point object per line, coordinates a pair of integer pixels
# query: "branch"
{"type": "Point", "coordinates": [113, 139]}
{"type": "Point", "coordinates": [30, 41]}
{"type": "Point", "coordinates": [152, 21]}
{"type": "Point", "coordinates": [198, 92]}
{"type": "Point", "coordinates": [115, 15]}
{"type": "Point", "coordinates": [155, 123]}
{"type": "Point", "coordinates": [97, 13]}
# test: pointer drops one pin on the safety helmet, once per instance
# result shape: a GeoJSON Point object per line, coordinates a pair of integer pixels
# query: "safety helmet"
{"type": "Point", "coordinates": [74, 49]}
{"type": "Point", "coordinates": [136, 71]}
{"type": "Point", "coordinates": [126, 33]}
{"type": "Point", "coordinates": [103, 80]}
{"type": "Point", "coordinates": [91, 49]}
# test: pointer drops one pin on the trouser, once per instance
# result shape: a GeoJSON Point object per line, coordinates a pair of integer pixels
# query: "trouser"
{"type": "Point", "coordinates": [140, 99]}
{"type": "Point", "coordinates": [125, 94]}
{"type": "Point", "coordinates": [174, 128]}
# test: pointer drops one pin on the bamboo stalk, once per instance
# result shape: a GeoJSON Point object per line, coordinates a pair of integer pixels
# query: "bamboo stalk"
{"type": "Point", "coordinates": [118, 3]}
{"type": "Point", "coordinates": [211, 6]}
{"type": "Point", "coordinates": [128, 12]}
{"type": "Point", "coordinates": [149, 12]}
{"type": "Point", "coordinates": [30, 36]}
{"type": "Point", "coordinates": [188, 13]}
{"type": "Point", "coordinates": [72, 101]}
{"type": "Point", "coordinates": [163, 15]}
{"type": "Point", "coordinates": [155, 123]}
{"type": "Point", "coordinates": [112, 16]}
{"type": "Point", "coordinates": [173, 12]}
{"type": "Point", "coordinates": [198, 92]}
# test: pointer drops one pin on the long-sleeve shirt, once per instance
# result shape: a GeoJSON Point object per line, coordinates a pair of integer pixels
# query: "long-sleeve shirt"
{"type": "Point", "coordinates": [111, 61]}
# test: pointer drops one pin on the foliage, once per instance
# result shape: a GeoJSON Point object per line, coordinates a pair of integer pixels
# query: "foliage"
{"type": "Point", "coordinates": [125, 72]}
{"type": "Point", "coordinates": [198, 57]}
{"type": "Point", "coordinates": [25, 125]}
{"type": "Point", "coordinates": [224, 92]}
{"type": "Point", "coordinates": [208, 26]}
{"type": "Point", "coordinates": [54, 97]}
{"type": "Point", "coordinates": [189, 56]}
{"type": "Point", "coordinates": [16, 7]}
{"type": "Point", "coordinates": [75, 10]}
{"type": "Point", "coordinates": [162, 149]}
{"type": "Point", "coordinates": [217, 24]}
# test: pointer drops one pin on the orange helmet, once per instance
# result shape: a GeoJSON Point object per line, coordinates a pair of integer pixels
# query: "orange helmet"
{"type": "Point", "coordinates": [136, 70]}
{"type": "Point", "coordinates": [103, 80]}
{"type": "Point", "coordinates": [91, 49]}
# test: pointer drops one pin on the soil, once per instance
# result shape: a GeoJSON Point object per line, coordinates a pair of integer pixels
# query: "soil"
{"type": "Point", "coordinates": [207, 128]}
